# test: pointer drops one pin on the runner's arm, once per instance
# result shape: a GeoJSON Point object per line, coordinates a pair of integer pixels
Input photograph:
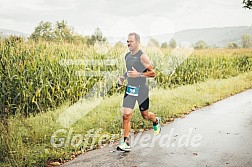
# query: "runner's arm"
{"type": "Point", "coordinates": [148, 66]}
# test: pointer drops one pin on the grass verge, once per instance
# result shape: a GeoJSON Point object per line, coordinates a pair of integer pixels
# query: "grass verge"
{"type": "Point", "coordinates": [27, 141]}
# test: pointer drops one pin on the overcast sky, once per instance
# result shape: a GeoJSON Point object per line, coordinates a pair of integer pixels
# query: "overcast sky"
{"type": "Point", "coordinates": [119, 17]}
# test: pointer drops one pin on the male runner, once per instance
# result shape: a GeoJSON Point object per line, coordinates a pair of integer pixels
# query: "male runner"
{"type": "Point", "coordinates": [138, 69]}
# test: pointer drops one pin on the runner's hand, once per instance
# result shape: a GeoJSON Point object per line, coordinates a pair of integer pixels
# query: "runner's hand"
{"type": "Point", "coordinates": [120, 81]}
{"type": "Point", "coordinates": [133, 73]}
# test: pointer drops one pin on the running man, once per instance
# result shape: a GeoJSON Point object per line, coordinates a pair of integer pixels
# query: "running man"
{"type": "Point", "coordinates": [138, 69]}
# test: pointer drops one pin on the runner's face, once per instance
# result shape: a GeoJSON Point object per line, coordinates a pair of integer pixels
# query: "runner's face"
{"type": "Point", "coordinates": [133, 44]}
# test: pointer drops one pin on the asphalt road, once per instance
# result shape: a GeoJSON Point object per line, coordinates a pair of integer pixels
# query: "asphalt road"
{"type": "Point", "coordinates": [217, 135]}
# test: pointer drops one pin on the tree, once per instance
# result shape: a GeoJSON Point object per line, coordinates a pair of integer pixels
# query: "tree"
{"type": "Point", "coordinates": [153, 43]}
{"type": "Point", "coordinates": [232, 45]}
{"type": "Point", "coordinates": [246, 41]}
{"type": "Point", "coordinates": [247, 4]}
{"type": "Point", "coordinates": [58, 32]}
{"type": "Point", "coordinates": [63, 31]}
{"type": "Point", "coordinates": [164, 45]}
{"type": "Point", "coordinates": [200, 45]}
{"type": "Point", "coordinates": [96, 37]}
{"type": "Point", "coordinates": [43, 31]}
{"type": "Point", "coordinates": [172, 43]}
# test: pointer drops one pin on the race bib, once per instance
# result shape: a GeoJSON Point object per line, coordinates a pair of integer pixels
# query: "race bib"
{"type": "Point", "coordinates": [132, 90]}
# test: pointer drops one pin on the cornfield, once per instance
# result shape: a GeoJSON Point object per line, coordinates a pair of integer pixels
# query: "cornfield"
{"type": "Point", "coordinates": [39, 76]}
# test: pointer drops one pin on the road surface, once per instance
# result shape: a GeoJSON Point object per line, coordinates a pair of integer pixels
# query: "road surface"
{"type": "Point", "coordinates": [217, 135]}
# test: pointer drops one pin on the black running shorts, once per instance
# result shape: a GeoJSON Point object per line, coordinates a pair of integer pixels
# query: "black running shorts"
{"type": "Point", "coordinates": [142, 99]}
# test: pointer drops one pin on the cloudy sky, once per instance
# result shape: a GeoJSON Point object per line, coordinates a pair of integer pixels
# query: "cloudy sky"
{"type": "Point", "coordinates": [118, 17]}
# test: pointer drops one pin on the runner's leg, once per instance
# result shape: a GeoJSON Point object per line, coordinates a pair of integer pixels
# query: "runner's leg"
{"type": "Point", "coordinates": [127, 113]}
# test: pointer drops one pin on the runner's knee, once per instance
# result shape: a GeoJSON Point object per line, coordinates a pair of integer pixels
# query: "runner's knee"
{"type": "Point", "coordinates": [126, 117]}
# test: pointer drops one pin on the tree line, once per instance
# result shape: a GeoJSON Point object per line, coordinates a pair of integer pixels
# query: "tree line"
{"type": "Point", "coordinates": [246, 42]}
{"type": "Point", "coordinates": [61, 32]}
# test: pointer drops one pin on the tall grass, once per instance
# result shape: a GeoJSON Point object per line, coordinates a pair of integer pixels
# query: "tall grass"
{"type": "Point", "coordinates": [36, 77]}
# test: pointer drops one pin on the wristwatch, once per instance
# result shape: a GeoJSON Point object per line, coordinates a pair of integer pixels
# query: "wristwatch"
{"type": "Point", "coordinates": [141, 74]}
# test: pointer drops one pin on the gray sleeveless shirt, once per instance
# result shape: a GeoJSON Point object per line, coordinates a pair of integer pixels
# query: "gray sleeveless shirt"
{"type": "Point", "coordinates": [135, 61]}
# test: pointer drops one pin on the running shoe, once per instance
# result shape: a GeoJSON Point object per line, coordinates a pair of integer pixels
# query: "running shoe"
{"type": "Point", "coordinates": [157, 127]}
{"type": "Point", "coordinates": [123, 147]}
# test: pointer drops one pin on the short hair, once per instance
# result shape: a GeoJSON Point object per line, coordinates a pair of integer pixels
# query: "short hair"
{"type": "Point", "coordinates": [137, 36]}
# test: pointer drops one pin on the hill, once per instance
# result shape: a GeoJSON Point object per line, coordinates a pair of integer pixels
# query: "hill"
{"type": "Point", "coordinates": [214, 36]}
{"type": "Point", "coordinates": [218, 37]}
{"type": "Point", "coordinates": [6, 32]}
